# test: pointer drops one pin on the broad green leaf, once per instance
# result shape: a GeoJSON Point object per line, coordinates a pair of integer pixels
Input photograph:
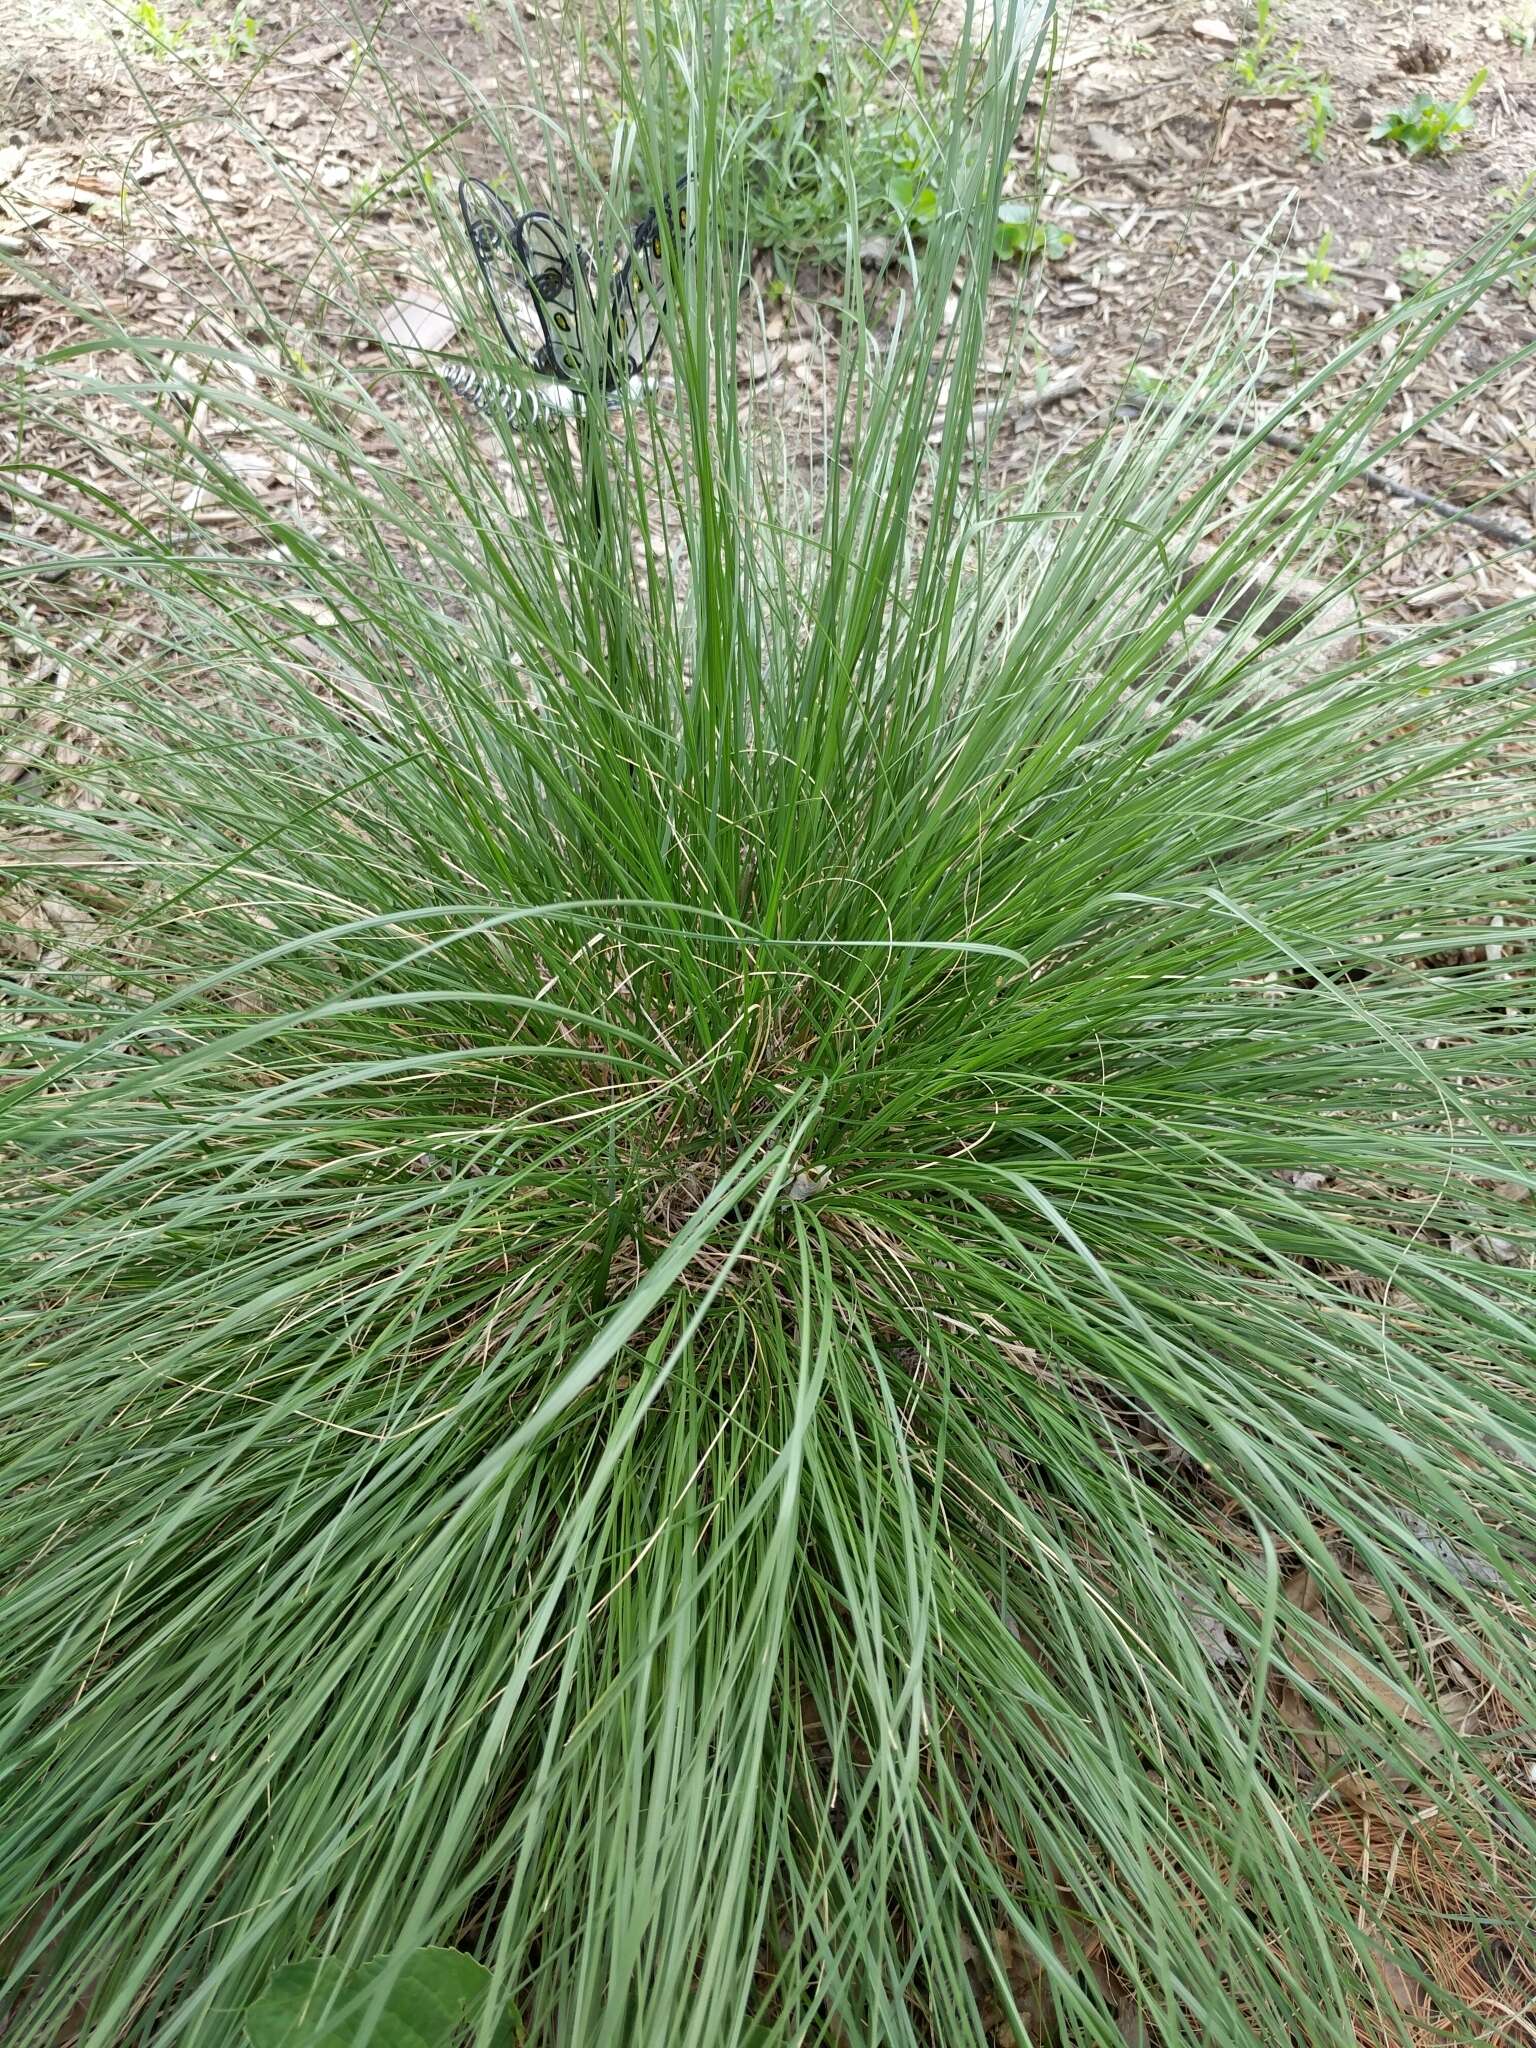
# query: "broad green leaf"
{"type": "Point", "coordinates": [326, 2005]}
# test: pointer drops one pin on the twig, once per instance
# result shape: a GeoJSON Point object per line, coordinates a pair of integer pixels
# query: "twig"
{"type": "Point", "coordinates": [1373, 477]}
{"type": "Point", "coordinates": [1049, 394]}
{"type": "Point", "coordinates": [1014, 405]}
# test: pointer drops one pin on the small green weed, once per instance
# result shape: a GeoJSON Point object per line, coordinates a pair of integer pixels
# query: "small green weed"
{"type": "Point", "coordinates": [241, 37]}
{"type": "Point", "coordinates": [1143, 381]}
{"type": "Point", "coordinates": [1264, 65]}
{"type": "Point", "coordinates": [910, 191]}
{"type": "Point", "coordinates": [157, 29]}
{"type": "Point", "coordinates": [1519, 30]}
{"type": "Point", "coordinates": [1420, 268]}
{"type": "Point", "coordinates": [1430, 127]}
{"type": "Point", "coordinates": [1317, 265]}
{"type": "Point", "coordinates": [1317, 114]}
{"type": "Point", "coordinates": [1021, 233]}
{"type": "Point", "coordinates": [238, 37]}
{"type": "Point", "coordinates": [1511, 200]}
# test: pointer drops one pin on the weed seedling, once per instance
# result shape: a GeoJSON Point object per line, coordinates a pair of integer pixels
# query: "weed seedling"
{"type": "Point", "coordinates": [1316, 114]}
{"type": "Point", "coordinates": [240, 38]}
{"type": "Point", "coordinates": [1263, 65]}
{"type": "Point", "coordinates": [156, 28]}
{"type": "Point", "coordinates": [1419, 268]}
{"type": "Point", "coordinates": [1317, 267]}
{"type": "Point", "coordinates": [1021, 233]}
{"type": "Point", "coordinates": [1430, 127]}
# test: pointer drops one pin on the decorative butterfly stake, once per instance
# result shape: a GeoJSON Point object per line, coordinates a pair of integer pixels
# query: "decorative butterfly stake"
{"type": "Point", "coordinates": [543, 287]}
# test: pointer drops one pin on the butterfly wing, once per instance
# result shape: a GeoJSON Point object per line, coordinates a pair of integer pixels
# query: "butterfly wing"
{"type": "Point", "coordinates": [639, 289]}
{"type": "Point", "coordinates": [496, 236]}
{"type": "Point", "coordinates": [542, 284]}
{"type": "Point", "coordinates": [634, 315]}
{"type": "Point", "coordinates": [560, 281]}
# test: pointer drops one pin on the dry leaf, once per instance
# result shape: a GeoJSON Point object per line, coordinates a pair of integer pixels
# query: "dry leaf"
{"type": "Point", "coordinates": [1211, 29]}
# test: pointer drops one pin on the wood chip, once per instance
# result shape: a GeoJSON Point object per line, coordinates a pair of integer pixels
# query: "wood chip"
{"type": "Point", "coordinates": [322, 53]}
{"type": "Point", "coordinates": [1112, 143]}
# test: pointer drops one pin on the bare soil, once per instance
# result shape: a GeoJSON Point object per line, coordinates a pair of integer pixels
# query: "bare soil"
{"type": "Point", "coordinates": [1172, 173]}
{"type": "Point", "coordinates": [125, 133]}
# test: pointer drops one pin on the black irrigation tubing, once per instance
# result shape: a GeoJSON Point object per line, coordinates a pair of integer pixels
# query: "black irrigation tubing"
{"type": "Point", "coordinates": [1374, 478]}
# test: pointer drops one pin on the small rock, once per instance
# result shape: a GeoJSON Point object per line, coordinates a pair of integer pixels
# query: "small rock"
{"type": "Point", "coordinates": [1063, 163]}
{"type": "Point", "coordinates": [1211, 28]}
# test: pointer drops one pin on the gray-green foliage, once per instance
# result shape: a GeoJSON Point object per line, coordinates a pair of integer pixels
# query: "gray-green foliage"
{"type": "Point", "coordinates": [723, 1200]}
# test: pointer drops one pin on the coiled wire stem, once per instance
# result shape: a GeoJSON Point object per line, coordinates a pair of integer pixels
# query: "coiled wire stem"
{"type": "Point", "coordinates": [519, 405]}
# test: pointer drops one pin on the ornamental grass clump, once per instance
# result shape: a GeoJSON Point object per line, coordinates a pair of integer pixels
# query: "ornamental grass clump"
{"type": "Point", "coordinates": [770, 1243]}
